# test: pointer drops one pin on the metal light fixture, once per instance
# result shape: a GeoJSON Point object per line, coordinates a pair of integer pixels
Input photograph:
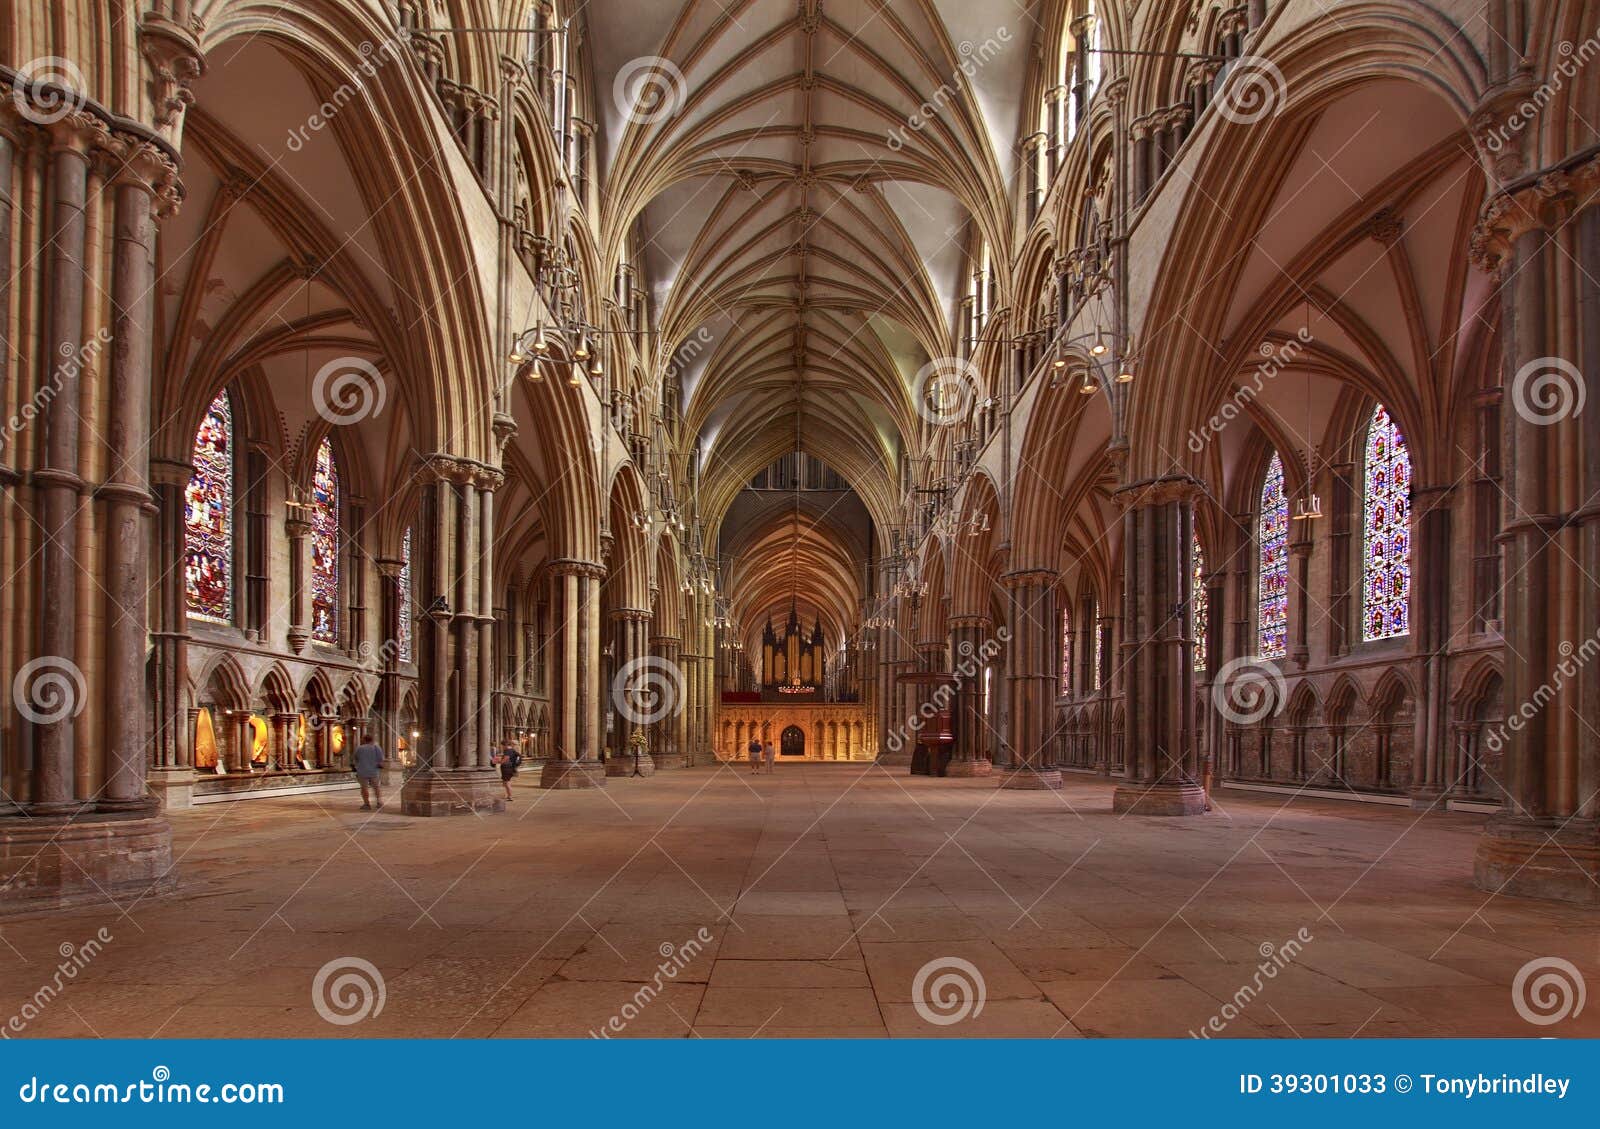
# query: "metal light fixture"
{"type": "Point", "coordinates": [1090, 385]}
{"type": "Point", "coordinates": [1099, 348]}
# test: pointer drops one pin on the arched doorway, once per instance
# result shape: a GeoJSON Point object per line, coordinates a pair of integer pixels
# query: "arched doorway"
{"type": "Point", "coordinates": [793, 742]}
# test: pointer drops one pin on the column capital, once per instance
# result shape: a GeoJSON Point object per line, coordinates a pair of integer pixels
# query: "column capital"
{"type": "Point", "coordinates": [632, 615]}
{"type": "Point", "coordinates": [1030, 578]}
{"type": "Point", "coordinates": [1159, 491]}
{"type": "Point", "coordinates": [1540, 201]}
{"type": "Point", "coordinates": [568, 566]}
{"type": "Point", "coordinates": [967, 622]}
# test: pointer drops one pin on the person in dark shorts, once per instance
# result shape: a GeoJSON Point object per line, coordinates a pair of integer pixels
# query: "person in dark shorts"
{"type": "Point", "coordinates": [755, 756]}
{"type": "Point", "coordinates": [509, 761]}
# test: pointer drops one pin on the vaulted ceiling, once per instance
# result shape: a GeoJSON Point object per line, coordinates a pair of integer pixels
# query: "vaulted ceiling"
{"type": "Point", "coordinates": [761, 152]}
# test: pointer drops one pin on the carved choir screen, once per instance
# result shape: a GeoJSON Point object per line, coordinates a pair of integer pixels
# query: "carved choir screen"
{"type": "Point", "coordinates": [1272, 576]}
{"type": "Point", "coordinates": [325, 546]}
{"type": "Point", "coordinates": [1386, 547]}
{"type": "Point", "coordinates": [208, 516]}
{"type": "Point", "coordinates": [1198, 602]}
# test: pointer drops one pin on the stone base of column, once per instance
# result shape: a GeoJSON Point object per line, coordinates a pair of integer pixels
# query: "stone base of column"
{"type": "Point", "coordinates": [1137, 798]}
{"type": "Point", "coordinates": [898, 757]}
{"type": "Point", "coordinates": [979, 767]}
{"type": "Point", "coordinates": [1031, 779]}
{"type": "Point", "coordinates": [627, 765]}
{"type": "Point", "coordinates": [453, 791]}
{"type": "Point", "coordinates": [52, 863]}
{"type": "Point", "coordinates": [1540, 858]}
{"type": "Point", "coordinates": [666, 761]}
{"type": "Point", "coordinates": [173, 788]}
{"type": "Point", "coordinates": [571, 774]}
{"type": "Point", "coordinates": [1427, 799]}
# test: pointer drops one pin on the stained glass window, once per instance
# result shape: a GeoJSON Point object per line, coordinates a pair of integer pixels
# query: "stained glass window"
{"type": "Point", "coordinates": [1066, 651]}
{"type": "Point", "coordinates": [1386, 560]}
{"type": "Point", "coordinates": [208, 516]}
{"type": "Point", "coordinates": [325, 546]}
{"type": "Point", "coordinates": [403, 643]}
{"type": "Point", "coordinates": [1272, 578]}
{"type": "Point", "coordinates": [1099, 634]}
{"type": "Point", "coordinates": [1198, 601]}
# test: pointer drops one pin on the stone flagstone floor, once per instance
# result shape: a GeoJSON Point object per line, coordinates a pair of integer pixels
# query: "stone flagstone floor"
{"type": "Point", "coordinates": [805, 903]}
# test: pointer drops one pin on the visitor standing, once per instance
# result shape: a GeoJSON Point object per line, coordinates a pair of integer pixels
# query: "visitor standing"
{"type": "Point", "coordinates": [771, 755]}
{"type": "Point", "coordinates": [755, 756]}
{"type": "Point", "coordinates": [369, 762]}
{"type": "Point", "coordinates": [509, 760]}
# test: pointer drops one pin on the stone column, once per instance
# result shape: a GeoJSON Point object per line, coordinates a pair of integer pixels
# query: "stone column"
{"type": "Point", "coordinates": [452, 775]}
{"type": "Point", "coordinates": [641, 694]}
{"type": "Point", "coordinates": [1030, 680]}
{"type": "Point", "coordinates": [297, 527]}
{"type": "Point", "coordinates": [1545, 842]}
{"type": "Point", "coordinates": [386, 703]}
{"type": "Point", "coordinates": [126, 492]}
{"type": "Point", "coordinates": [666, 733]}
{"type": "Point", "coordinates": [1163, 773]}
{"type": "Point", "coordinates": [574, 590]}
{"type": "Point", "coordinates": [969, 636]}
{"type": "Point", "coordinates": [172, 734]}
{"type": "Point", "coordinates": [57, 483]}
{"type": "Point", "coordinates": [1429, 618]}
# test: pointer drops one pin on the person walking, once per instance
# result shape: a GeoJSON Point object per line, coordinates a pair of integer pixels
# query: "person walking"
{"type": "Point", "coordinates": [368, 764]}
{"type": "Point", "coordinates": [754, 749]}
{"type": "Point", "coordinates": [771, 754]}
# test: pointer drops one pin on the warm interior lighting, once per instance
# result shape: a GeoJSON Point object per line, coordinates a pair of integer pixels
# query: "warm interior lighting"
{"type": "Point", "coordinates": [1099, 348]}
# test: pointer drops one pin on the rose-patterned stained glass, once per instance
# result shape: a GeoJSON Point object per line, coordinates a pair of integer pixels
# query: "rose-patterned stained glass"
{"type": "Point", "coordinates": [405, 629]}
{"type": "Point", "coordinates": [1066, 651]}
{"type": "Point", "coordinates": [325, 546]}
{"type": "Point", "coordinates": [1198, 601]}
{"type": "Point", "coordinates": [208, 516]}
{"type": "Point", "coordinates": [1386, 553]}
{"type": "Point", "coordinates": [1272, 577]}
